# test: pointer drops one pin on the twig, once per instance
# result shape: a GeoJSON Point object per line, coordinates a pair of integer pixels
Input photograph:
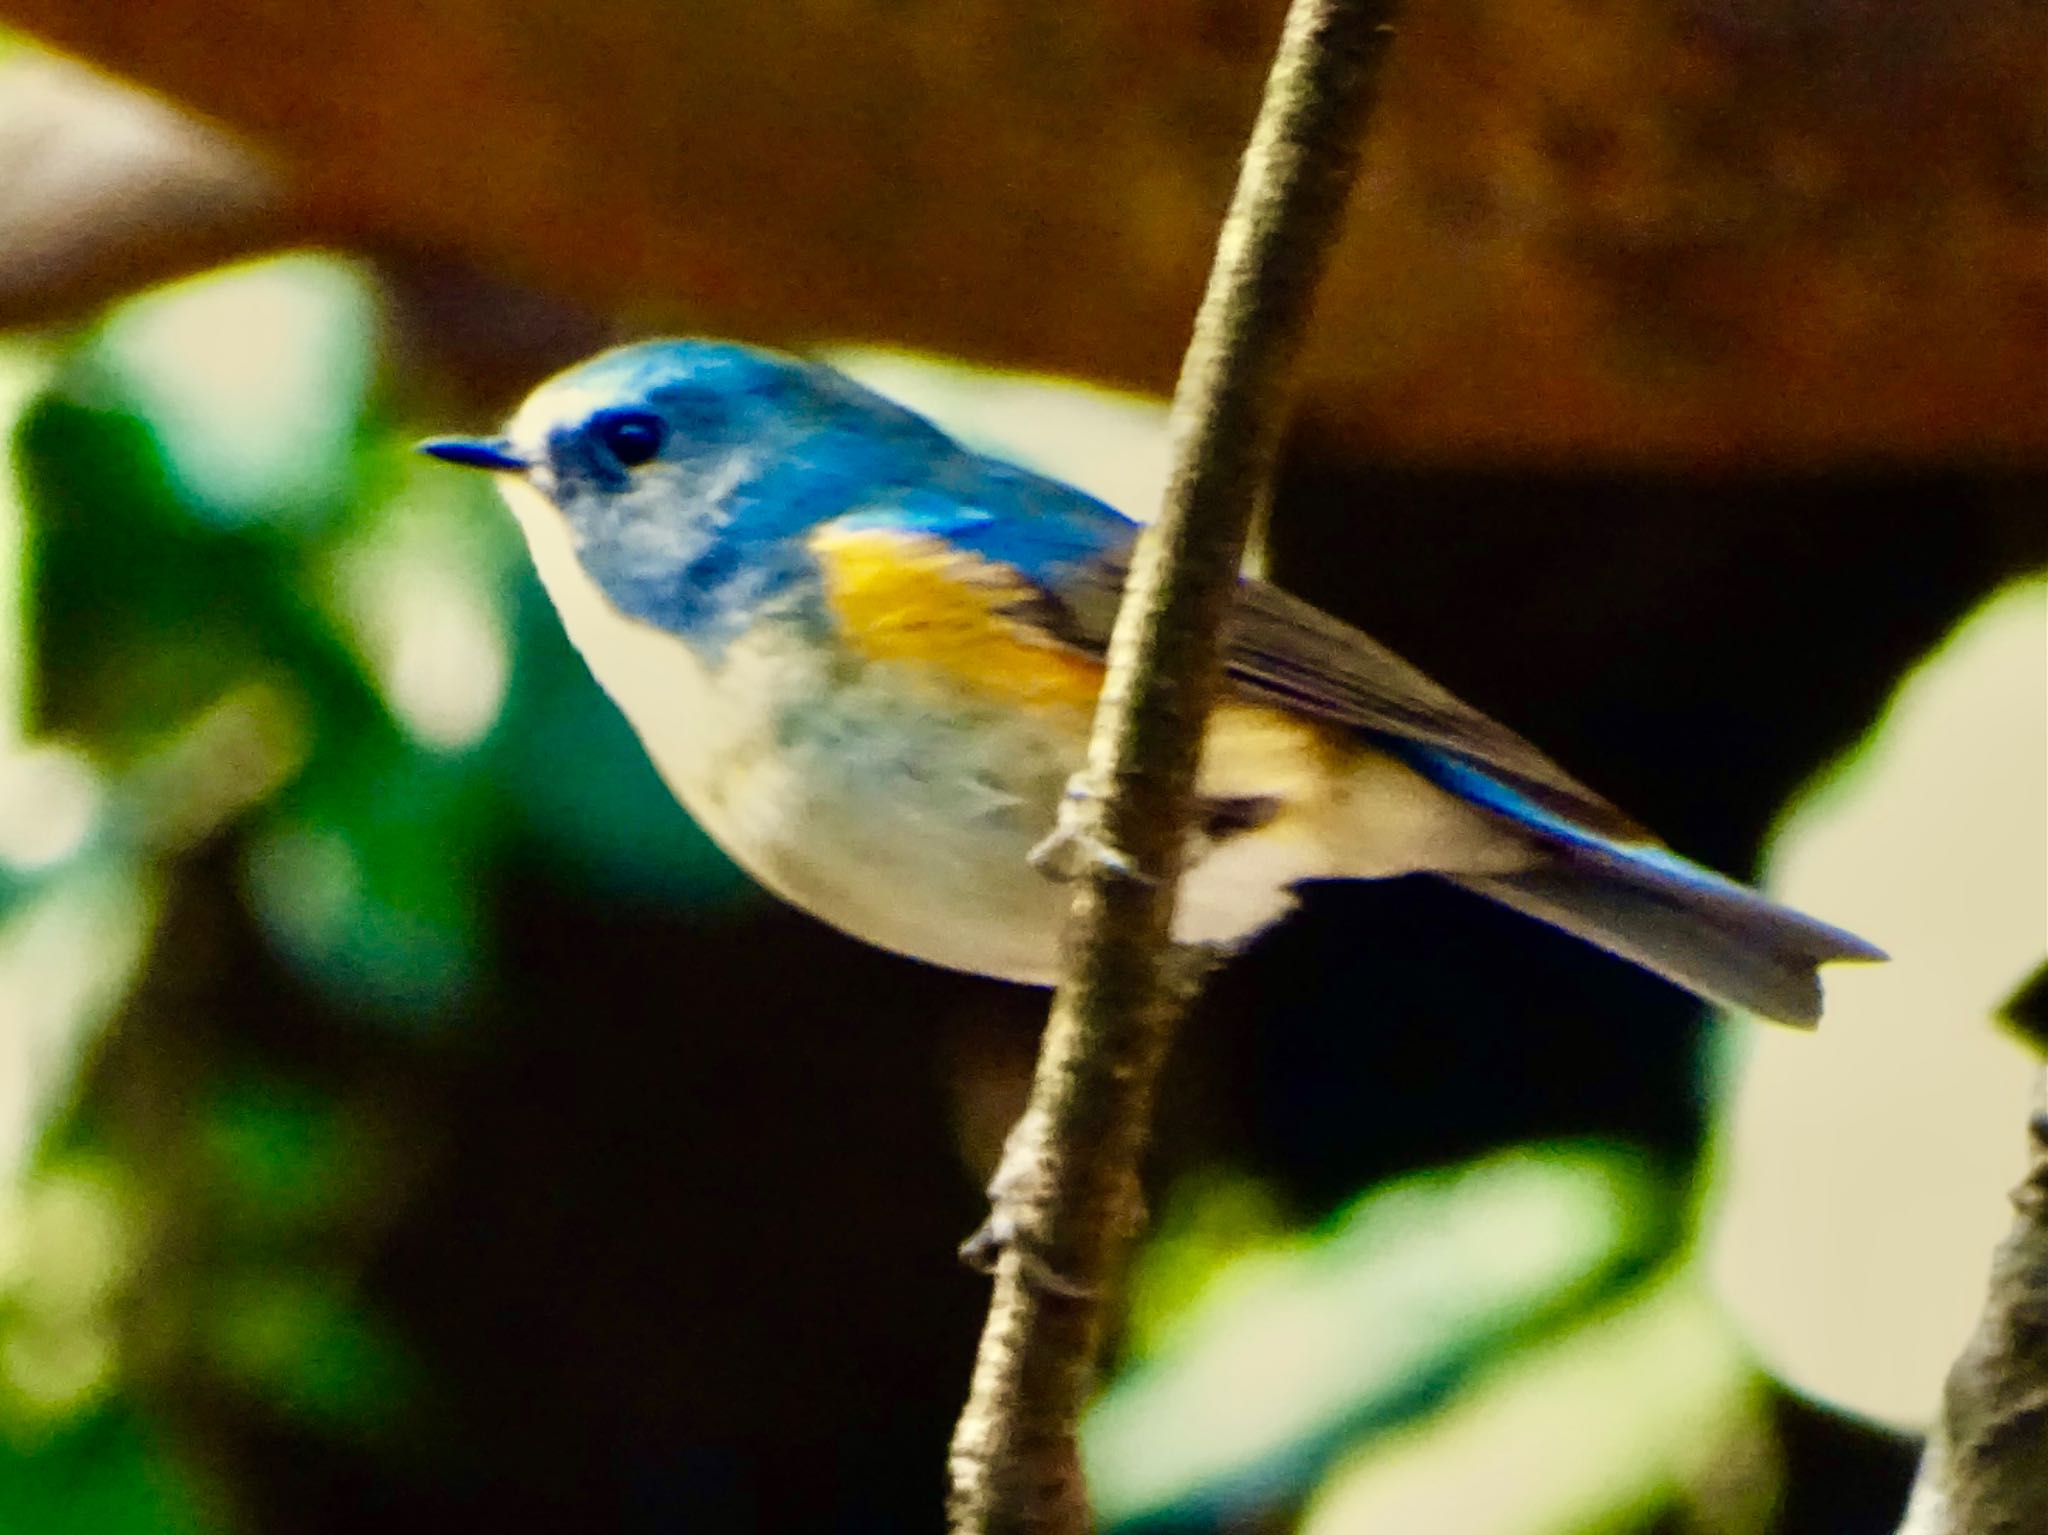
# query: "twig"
{"type": "Point", "coordinates": [1065, 1202]}
{"type": "Point", "coordinates": [1985, 1469]}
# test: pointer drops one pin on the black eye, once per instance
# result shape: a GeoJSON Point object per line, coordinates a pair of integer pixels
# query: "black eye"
{"type": "Point", "coordinates": [632, 437]}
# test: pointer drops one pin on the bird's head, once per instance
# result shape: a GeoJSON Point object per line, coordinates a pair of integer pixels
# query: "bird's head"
{"type": "Point", "coordinates": [671, 468]}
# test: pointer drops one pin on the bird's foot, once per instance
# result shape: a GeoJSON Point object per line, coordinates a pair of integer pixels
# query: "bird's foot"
{"type": "Point", "coordinates": [1079, 842]}
{"type": "Point", "coordinates": [1001, 1233]}
{"type": "Point", "coordinates": [1017, 1197]}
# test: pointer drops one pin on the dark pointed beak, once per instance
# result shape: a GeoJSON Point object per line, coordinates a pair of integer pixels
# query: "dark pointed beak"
{"type": "Point", "coordinates": [492, 453]}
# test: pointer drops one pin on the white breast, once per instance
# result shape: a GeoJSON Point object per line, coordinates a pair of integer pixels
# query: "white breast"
{"type": "Point", "coordinates": [708, 740]}
{"type": "Point", "coordinates": [868, 802]}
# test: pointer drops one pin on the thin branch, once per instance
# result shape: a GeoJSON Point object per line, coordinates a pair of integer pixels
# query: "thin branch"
{"type": "Point", "coordinates": [1985, 1469]}
{"type": "Point", "coordinates": [1065, 1198]}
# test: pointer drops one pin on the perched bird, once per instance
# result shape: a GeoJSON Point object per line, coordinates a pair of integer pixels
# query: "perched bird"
{"type": "Point", "coordinates": [865, 658]}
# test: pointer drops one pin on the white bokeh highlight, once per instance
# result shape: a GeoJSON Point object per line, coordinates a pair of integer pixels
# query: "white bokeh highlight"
{"type": "Point", "coordinates": [1865, 1168]}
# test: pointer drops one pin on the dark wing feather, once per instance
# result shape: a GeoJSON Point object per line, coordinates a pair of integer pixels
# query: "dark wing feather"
{"type": "Point", "coordinates": [1281, 651]}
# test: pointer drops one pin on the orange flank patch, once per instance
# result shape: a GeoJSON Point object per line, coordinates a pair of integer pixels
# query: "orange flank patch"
{"type": "Point", "coordinates": [901, 597]}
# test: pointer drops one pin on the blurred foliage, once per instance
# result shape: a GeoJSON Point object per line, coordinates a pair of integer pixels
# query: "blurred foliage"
{"type": "Point", "coordinates": [101, 1473]}
{"type": "Point", "coordinates": [260, 604]}
{"type": "Point", "coordinates": [249, 619]}
{"type": "Point", "coordinates": [1285, 1355]}
{"type": "Point", "coordinates": [1650, 1411]}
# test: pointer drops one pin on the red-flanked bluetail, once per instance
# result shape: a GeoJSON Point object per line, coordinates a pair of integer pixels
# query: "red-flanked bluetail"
{"type": "Point", "coordinates": [865, 658]}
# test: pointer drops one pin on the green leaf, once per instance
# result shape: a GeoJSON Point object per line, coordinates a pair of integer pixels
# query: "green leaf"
{"type": "Point", "coordinates": [68, 953]}
{"type": "Point", "coordinates": [281, 1156]}
{"type": "Point", "coordinates": [101, 1475]}
{"type": "Point", "coordinates": [144, 618]}
{"type": "Point", "coordinates": [1291, 1352]}
{"type": "Point", "coordinates": [1595, 1429]}
{"type": "Point", "coordinates": [303, 1343]}
{"type": "Point", "coordinates": [52, 818]}
{"type": "Point", "coordinates": [369, 876]}
{"type": "Point", "coordinates": [252, 381]}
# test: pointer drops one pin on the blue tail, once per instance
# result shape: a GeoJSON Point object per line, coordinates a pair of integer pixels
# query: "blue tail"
{"type": "Point", "coordinates": [1646, 904]}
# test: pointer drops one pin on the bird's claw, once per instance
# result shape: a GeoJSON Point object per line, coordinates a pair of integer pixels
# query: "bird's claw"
{"type": "Point", "coordinates": [1066, 855]}
{"type": "Point", "coordinates": [1078, 843]}
{"type": "Point", "coordinates": [1002, 1232]}
{"type": "Point", "coordinates": [1014, 1195]}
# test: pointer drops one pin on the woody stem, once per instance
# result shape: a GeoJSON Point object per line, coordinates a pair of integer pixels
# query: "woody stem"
{"type": "Point", "coordinates": [1065, 1198]}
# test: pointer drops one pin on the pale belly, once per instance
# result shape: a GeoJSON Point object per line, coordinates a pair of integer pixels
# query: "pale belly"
{"type": "Point", "coordinates": [905, 816]}
{"type": "Point", "coordinates": [881, 806]}
{"type": "Point", "coordinates": [901, 817]}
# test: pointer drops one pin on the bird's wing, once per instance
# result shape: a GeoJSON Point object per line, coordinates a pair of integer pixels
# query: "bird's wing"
{"type": "Point", "coordinates": [1051, 564]}
{"type": "Point", "coordinates": [1281, 651]}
